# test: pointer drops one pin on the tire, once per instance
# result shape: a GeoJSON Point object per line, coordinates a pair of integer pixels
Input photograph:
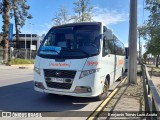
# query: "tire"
{"type": "Point", "coordinates": [120, 78]}
{"type": "Point", "coordinates": [104, 94]}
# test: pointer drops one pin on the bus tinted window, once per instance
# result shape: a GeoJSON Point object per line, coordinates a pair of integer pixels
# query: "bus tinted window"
{"type": "Point", "coordinates": [76, 41]}
{"type": "Point", "coordinates": [119, 48]}
{"type": "Point", "coordinates": [111, 46]}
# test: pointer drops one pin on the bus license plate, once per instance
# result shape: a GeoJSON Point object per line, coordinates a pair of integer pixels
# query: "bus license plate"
{"type": "Point", "coordinates": [58, 80]}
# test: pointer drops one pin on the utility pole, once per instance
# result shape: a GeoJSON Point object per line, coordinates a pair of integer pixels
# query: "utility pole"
{"type": "Point", "coordinates": [132, 73]}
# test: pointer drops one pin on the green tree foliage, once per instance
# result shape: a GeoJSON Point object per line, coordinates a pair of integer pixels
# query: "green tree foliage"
{"type": "Point", "coordinates": [82, 11]}
{"type": "Point", "coordinates": [1, 5]}
{"type": "Point", "coordinates": [19, 10]}
{"type": "Point", "coordinates": [144, 32]}
{"type": "Point", "coordinates": [153, 24]}
{"type": "Point", "coordinates": [145, 56]}
{"type": "Point", "coordinates": [61, 16]}
{"type": "Point", "coordinates": [150, 31]}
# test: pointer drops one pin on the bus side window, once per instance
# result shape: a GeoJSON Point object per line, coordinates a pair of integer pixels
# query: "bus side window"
{"type": "Point", "coordinates": [111, 46]}
{"type": "Point", "coordinates": [119, 48]}
{"type": "Point", "coordinates": [105, 47]}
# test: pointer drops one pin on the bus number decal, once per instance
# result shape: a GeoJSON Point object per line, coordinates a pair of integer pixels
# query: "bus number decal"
{"type": "Point", "coordinates": [92, 63]}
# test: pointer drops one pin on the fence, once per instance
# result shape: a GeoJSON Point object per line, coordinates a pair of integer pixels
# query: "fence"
{"type": "Point", "coordinates": [18, 53]}
{"type": "Point", "coordinates": [151, 96]}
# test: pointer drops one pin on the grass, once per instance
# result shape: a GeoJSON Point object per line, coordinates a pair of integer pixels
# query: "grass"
{"type": "Point", "coordinates": [156, 69]}
{"type": "Point", "coordinates": [21, 61]}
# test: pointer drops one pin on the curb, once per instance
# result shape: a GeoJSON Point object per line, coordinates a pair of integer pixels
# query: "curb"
{"type": "Point", "coordinates": [24, 66]}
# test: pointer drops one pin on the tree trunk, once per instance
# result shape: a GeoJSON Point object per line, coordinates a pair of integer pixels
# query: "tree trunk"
{"type": "Point", "coordinates": [83, 7]}
{"type": "Point", "coordinates": [16, 25]}
{"type": "Point", "coordinates": [6, 21]}
{"type": "Point", "coordinates": [154, 59]}
{"type": "Point", "coordinates": [157, 61]}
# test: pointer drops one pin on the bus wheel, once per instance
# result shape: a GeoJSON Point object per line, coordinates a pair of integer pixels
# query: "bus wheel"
{"type": "Point", "coordinates": [104, 94]}
{"type": "Point", "coordinates": [121, 77]}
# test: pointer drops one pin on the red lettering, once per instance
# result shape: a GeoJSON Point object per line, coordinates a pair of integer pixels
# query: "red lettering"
{"type": "Point", "coordinates": [58, 64]}
{"type": "Point", "coordinates": [91, 63]}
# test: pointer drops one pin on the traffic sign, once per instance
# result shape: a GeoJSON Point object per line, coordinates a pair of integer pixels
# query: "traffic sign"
{"type": "Point", "coordinates": [10, 32]}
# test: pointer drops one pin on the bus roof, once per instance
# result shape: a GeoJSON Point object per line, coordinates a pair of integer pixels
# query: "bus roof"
{"type": "Point", "coordinates": [78, 23]}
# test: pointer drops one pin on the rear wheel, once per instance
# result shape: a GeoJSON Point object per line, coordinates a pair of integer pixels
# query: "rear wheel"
{"type": "Point", "coordinates": [104, 94]}
{"type": "Point", "coordinates": [121, 77]}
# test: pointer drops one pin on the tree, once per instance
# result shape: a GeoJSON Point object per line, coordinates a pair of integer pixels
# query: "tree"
{"type": "Point", "coordinates": [145, 57]}
{"type": "Point", "coordinates": [1, 7]}
{"type": "Point", "coordinates": [154, 28]}
{"type": "Point", "coordinates": [20, 14]}
{"type": "Point", "coordinates": [82, 11]}
{"type": "Point", "coordinates": [61, 16]}
{"type": "Point", "coordinates": [5, 27]}
{"type": "Point", "coordinates": [151, 31]}
{"type": "Point", "coordinates": [144, 32]}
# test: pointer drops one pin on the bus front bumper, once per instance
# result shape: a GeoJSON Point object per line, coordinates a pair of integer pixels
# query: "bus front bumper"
{"type": "Point", "coordinates": [74, 93]}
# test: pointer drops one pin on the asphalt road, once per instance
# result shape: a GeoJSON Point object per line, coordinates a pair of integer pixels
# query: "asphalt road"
{"type": "Point", "coordinates": [17, 94]}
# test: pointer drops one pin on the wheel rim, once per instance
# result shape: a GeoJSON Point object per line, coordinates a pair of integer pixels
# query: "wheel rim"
{"type": "Point", "coordinates": [105, 90]}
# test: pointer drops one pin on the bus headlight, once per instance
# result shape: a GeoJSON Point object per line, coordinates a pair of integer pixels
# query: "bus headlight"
{"type": "Point", "coordinates": [37, 70]}
{"type": "Point", "coordinates": [88, 72]}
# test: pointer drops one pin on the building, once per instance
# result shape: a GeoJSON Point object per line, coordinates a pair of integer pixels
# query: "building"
{"type": "Point", "coordinates": [25, 41]}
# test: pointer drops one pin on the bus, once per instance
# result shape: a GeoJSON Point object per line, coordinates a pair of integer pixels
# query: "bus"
{"type": "Point", "coordinates": [79, 59]}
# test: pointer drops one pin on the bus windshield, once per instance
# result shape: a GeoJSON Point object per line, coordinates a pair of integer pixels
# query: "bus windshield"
{"type": "Point", "coordinates": [72, 41]}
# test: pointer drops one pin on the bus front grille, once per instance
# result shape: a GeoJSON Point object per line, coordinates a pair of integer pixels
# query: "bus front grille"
{"type": "Point", "coordinates": [59, 85]}
{"type": "Point", "coordinates": [59, 73]}
{"type": "Point", "coordinates": [50, 73]}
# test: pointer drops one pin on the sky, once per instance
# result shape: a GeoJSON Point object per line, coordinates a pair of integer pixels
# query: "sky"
{"type": "Point", "coordinates": [113, 13]}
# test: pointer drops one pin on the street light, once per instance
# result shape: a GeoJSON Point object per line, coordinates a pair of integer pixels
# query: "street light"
{"type": "Point", "coordinates": [28, 17]}
{"type": "Point", "coordinates": [31, 40]}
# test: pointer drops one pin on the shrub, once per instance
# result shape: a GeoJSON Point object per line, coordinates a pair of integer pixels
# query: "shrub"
{"type": "Point", "coordinates": [21, 61]}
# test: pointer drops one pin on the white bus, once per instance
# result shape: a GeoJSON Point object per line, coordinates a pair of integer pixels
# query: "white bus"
{"type": "Point", "coordinates": [79, 59]}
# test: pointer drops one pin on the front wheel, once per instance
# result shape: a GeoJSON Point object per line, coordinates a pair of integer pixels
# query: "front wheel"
{"type": "Point", "coordinates": [104, 94]}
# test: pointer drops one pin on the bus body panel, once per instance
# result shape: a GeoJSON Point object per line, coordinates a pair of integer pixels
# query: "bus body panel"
{"type": "Point", "coordinates": [94, 80]}
{"type": "Point", "coordinates": [97, 68]}
{"type": "Point", "coordinates": [69, 64]}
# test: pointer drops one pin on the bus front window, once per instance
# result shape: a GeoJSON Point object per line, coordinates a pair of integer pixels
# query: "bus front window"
{"type": "Point", "coordinates": [72, 41]}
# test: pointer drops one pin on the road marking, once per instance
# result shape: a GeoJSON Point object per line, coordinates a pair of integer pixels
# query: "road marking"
{"type": "Point", "coordinates": [14, 72]}
{"type": "Point", "coordinates": [17, 76]}
{"type": "Point", "coordinates": [3, 75]}
{"type": "Point", "coordinates": [101, 106]}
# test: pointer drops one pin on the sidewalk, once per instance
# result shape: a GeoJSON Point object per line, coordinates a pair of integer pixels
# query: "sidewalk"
{"type": "Point", "coordinates": [155, 76]}
{"type": "Point", "coordinates": [128, 102]}
{"type": "Point", "coordinates": [128, 99]}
